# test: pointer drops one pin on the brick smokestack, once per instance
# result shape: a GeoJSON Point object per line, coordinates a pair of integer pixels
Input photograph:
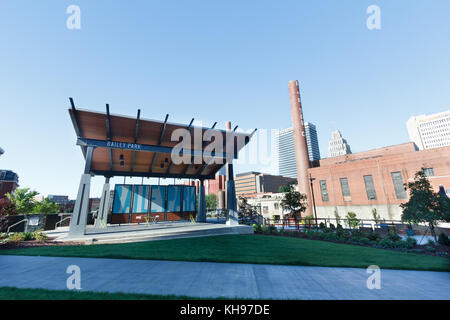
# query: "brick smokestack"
{"type": "Point", "coordinates": [301, 149]}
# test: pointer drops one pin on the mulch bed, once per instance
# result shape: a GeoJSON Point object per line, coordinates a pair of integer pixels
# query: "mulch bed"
{"type": "Point", "coordinates": [36, 243]}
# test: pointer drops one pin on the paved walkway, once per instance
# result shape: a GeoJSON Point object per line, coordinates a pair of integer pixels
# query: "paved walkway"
{"type": "Point", "coordinates": [232, 280]}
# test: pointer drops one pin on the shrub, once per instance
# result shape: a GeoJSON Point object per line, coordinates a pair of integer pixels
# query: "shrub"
{"type": "Point", "coordinates": [364, 241]}
{"type": "Point", "coordinates": [411, 242]}
{"type": "Point", "coordinates": [373, 236]}
{"type": "Point", "coordinates": [431, 242]}
{"type": "Point", "coordinates": [401, 244]}
{"type": "Point", "coordinates": [322, 235]}
{"type": "Point", "coordinates": [373, 242]}
{"type": "Point", "coordinates": [272, 229]}
{"type": "Point", "coordinates": [322, 225]}
{"type": "Point", "coordinates": [331, 236]}
{"type": "Point", "coordinates": [394, 237]}
{"type": "Point", "coordinates": [264, 229]}
{"type": "Point", "coordinates": [257, 228]}
{"type": "Point", "coordinates": [443, 239]}
{"type": "Point", "coordinates": [332, 227]}
{"type": "Point", "coordinates": [352, 221]}
{"type": "Point", "coordinates": [386, 243]}
{"type": "Point", "coordinates": [15, 237]}
{"type": "Point", "coordinates": [430, 248]}
{"type": "Point", "coordinates": [310, 233]}
{"type": "Point", "coordinates": [355, 239]}
{"type": "Point", "coordinates": [38, 235]}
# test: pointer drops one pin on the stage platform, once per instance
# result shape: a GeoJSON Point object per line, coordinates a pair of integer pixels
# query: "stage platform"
{"type": "Point", "coordinates": [144, 232]}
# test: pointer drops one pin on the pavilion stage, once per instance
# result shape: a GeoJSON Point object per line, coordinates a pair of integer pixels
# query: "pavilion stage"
{"type": "Point", "coordinates": [113, 233]}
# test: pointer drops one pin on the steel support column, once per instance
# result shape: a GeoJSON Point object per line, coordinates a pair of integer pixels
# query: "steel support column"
{"type": "Point", "coordinates": [201, 205]}
{"type": "Point", "coordinates": [102, 214]}
{"type": "Point", "coordinates": [80, 212]}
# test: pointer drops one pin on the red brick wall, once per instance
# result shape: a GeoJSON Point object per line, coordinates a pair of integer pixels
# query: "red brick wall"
{"type": "Point", "coordinates": [379, 163]}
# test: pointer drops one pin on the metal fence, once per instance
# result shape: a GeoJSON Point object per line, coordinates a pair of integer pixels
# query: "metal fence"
{"type": "Point", "coordinates": [309, 223]}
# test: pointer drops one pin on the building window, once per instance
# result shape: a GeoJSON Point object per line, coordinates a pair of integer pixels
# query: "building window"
{"type": "Point", "coordinates": [429, 172]}
{"type": "Point", "coordinates": [370, 188]}
{"type": "Point", "coordinates": [399, 188]}
{"type": "Point", "coordinates": [345, 189]}
{"type": "Point", "coordinates": [276, 206]}
{"type": "Point", "coordinates": [265, 209]}
{"type": "Point", "coordinates": [323, 190]}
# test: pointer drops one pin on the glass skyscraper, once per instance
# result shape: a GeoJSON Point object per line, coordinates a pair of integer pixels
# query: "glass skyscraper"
{"type": "Point", "coordinates": [286, 149]}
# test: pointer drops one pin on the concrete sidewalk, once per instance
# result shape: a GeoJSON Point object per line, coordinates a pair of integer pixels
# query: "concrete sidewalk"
{"type": "Point", "coordinates": [231, 280]}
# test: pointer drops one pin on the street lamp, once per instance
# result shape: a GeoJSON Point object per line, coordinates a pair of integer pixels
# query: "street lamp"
{"type": "Point", "coordinates": [311, 179]}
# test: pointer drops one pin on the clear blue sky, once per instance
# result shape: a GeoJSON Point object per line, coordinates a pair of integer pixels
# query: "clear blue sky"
{"type": "Point", "coordinates": [214, 61]}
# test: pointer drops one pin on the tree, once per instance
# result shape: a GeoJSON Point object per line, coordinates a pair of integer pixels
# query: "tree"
{"type": "Point", "coordinates": [286, 187]}
{"type": "Point", "coordinates": [376, 216]}
{"type": "Point", "coordinates": [425, 205]}
{"type": "Point", "coordinates": [211, 201]}
{"type": "Point", "coordinates": [46, 206]}
{"type": "Point", "coordinates": [294, 202]}
{"type": "Point", "coordinates": [245, 210]}
{"type": "Point", "coordinates": [23, 199]}
{"type": "Point", "coordinates": [352, 221]}
{"type": "Point", "coordinates": [337, 216]}
{"type": "Point", "coordinates": [7, 208]}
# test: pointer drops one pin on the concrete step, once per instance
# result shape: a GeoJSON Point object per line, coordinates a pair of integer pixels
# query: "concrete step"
{"type": "Point", "coordinates": [159, 234]}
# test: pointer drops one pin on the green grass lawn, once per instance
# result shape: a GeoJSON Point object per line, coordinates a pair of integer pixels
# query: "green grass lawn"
{"type": "Point", "coordinates": [9, 293]}
{"type": "Point", "coordinates": [250, 249]}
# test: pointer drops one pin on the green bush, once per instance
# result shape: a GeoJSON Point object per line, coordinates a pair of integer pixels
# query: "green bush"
{"type": "Point", "coordinates": [386, 243]}
{"type": "Point", "coordinates": [443, 239]}
{"type": "Point", "coordinates": [373, 236]}
{"type": "Point", "coordinates": [257, 228]}
{"type": "Point", "coordinates": [364, 241]}
{"type": "Point", "coordinates": [430, 248]}
{"type": "Point", "coordinates": [354, 239]}
{"type": "Point", "coordinates": [394, 237]}
{"type": "Point", "coordinates": [322, 225]}
{"type": "Point", "coordinates": [411, 242]}
{"type": "Point", "coordinates": [264, 229]}
{"type": "Point", "coordinates": [332, 227]}
{"type": "Point", "coordinates": [322, 235]}
{"type": "Point", "coordinates": [39, 235]}
{"type": "Point", "coordinates": [431, 242]}
{"type": "Point", "coordinates": [401, 244]}
{"type": "Point", "coordinates": [272, 229]}
{"type": "Point", "coordinates": [331, 236]}
{"type": "Point", "coordinates": [3, 235]}
{"type": "Point", "coordinates": [15, 237]}
{"type": "Point", "coordinates": [373, 242]}
{"type": "Point", "coordinates": [310, 233]}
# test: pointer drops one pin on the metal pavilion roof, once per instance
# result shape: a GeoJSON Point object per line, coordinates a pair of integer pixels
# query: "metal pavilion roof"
{"type": "Point", "coordinates": [126, 146]}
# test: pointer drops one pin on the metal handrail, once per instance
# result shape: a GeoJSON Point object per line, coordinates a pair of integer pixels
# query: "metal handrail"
{"type": "Point", "coordinates": [60, 221]}
{"type": "Point", "coordinates": [15, 224]}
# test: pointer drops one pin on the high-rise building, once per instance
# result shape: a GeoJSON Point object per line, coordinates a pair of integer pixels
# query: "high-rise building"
{"type": "Point", "coordinates": [286, 149]}
{"type": "Point", "coordinates": [432, 131]}
{"type": "Point", "coordinates": [312, 142]}
{"type": "Point", "coordinates": [337, 146]}
{"type": "Point", "coordinates": [286, 154]}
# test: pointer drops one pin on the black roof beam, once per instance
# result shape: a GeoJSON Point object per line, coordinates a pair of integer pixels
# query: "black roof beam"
{"type": "Point", "coordinates": [161, 136]}
{"type": "Point", "coordinates": [136, 134]}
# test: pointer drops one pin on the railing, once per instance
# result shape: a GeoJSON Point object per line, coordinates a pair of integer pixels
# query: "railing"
{"type": "Point", "coordinates": [308, 223]}
{"type": "Point", "coordinates": [60, 221]}
{"type": "Point", "coordinates": [15, 224]}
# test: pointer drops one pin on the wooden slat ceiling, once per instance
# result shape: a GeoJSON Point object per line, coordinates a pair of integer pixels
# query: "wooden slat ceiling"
{"type": "Point", "coordinates": [92, 125]}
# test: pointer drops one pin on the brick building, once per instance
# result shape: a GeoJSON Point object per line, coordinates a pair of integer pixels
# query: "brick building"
{"type": "Point", "coordinates": [9, 181]}
{"type": "Point", "coordinates": [363, 181]}
{"type": "Point", "coordinates": [256, 182]}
